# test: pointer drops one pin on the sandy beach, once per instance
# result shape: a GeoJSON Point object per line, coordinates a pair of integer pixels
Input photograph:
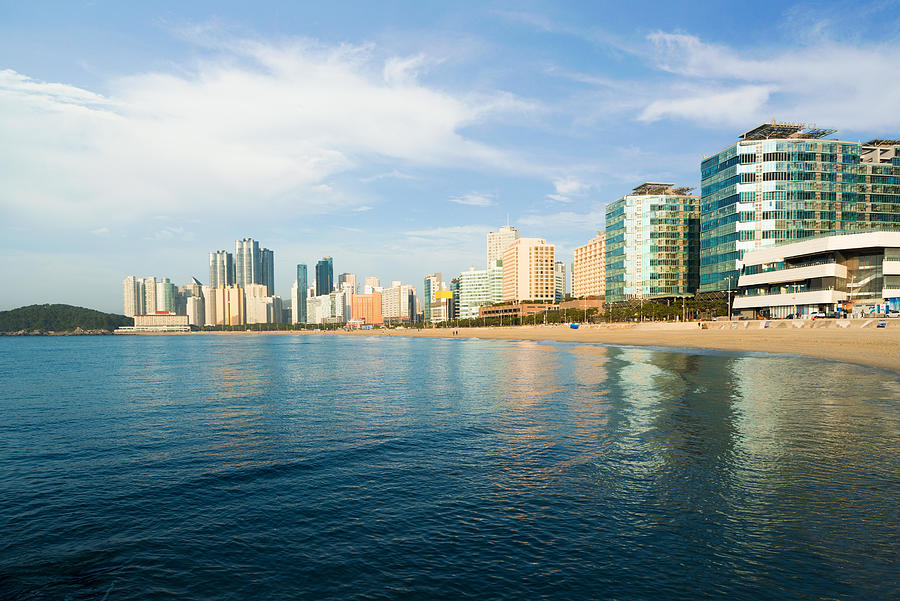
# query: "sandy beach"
{"type": "Point", "coordinates": [857, 341]}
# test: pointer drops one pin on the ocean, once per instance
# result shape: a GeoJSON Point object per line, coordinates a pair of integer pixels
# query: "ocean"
{"type": "Point", "coordinates": [231, 467]}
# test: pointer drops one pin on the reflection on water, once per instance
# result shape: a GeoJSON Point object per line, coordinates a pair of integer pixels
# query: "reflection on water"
{"type": "Point", "coordinates": [320, 467]}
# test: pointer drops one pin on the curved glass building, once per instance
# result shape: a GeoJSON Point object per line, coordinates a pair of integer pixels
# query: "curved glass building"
{"type": "Point", "coordinates": [785, 182]}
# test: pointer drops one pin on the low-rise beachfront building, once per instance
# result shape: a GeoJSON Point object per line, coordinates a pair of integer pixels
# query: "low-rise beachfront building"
{"type": "Point", "coordinates": [160, 321]}
{"type": "Point", "coordinates": [843, 274]}
{"type": "Point", "coordinates": [515, 310]}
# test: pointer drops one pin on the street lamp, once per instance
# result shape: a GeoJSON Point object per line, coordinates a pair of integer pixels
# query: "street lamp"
{"type": "Point", "coordinates": [729, 278]}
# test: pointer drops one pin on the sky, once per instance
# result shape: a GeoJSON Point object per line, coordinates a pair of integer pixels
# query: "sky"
{"type": "Point", "coordinates": [135, 138]}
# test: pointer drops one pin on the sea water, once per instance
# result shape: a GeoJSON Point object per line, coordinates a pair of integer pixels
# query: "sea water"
{"type": "Point", "coordinates": [327, 467]}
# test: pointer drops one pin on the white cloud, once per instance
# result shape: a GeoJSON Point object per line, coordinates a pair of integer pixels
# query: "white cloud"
{"type": "Point", "coordinates": [841, 84]}
{"type": "Point", "coordinates": [565, 221]}
{"type": "Point", "coordinates": [566, 187]}
{"type": "Point", "coordinates": [474, 199]}
{"type": "Point", "coordinates": [393, 174]}
{"type": "Point", "coordinates": [736, 106]}
{"type": "Point", "coordinates": [452, 232]}
{"type": "Point", "coordinates": [261, 123]}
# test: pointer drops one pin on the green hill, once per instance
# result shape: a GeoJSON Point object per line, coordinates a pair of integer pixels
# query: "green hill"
{"type": "Point", "coordinates": [59, 318]}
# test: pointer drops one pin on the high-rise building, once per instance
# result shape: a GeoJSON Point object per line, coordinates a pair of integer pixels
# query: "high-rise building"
{"type": "Point", "coordinates": [247, 262]}
{"type": "Point", "coordinates": [497, 242]}
{"type": "Point", "coordinates": [267, 270]}
{"type": "Point", "coordinates": [559, 274]}
{"type": "Point", "coordinates": [209, 305]}
{"type": "Point", "coordinates": [299, 295]}
{"type": "Point", "coordinates": [221, 269]}
{"type": "Point", "coordinates": [784, 182]}
{"type": "Point", "coordinates": [348, 281]}
{"type": "Point", "coordinates": [589, 268]}
{"type": "Point", "coordinates": [372, 285]}
{"type": "Point", "coordinates": [528, 275]}
{"type": "Point", "coordinates": [652, 243]}
{"type": "Point", "coordinates": [398, 303]}
{"type": "Point", "coordinates": [133, 298]}
{"type": "Point", "coordinates": [165, 295]}
{"type": "Point", "coordinates": [324, 276]}
{"type": "Point", "coordinates": [480, 287]}
{"type": "Point", "coordinates": [432, 285]}
{"type": "Point", "coordinates": [149, 295]}
{"type": "Point", "coordinates": [195, 310]}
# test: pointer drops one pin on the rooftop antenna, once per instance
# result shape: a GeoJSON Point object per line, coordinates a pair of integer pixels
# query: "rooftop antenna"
{"type": "Point", "coordinates": [507, 220]}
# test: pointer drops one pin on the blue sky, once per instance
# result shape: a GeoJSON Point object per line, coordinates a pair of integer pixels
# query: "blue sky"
{"type": "Point", "coordinates": [137, 137]}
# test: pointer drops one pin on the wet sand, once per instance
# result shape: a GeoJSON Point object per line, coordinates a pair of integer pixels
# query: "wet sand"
{"type": "Point", "coordinates": [859, 342]}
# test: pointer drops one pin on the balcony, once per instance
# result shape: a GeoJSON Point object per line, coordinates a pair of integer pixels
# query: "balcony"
{"type": "Point", "coordinates": [814, 297]}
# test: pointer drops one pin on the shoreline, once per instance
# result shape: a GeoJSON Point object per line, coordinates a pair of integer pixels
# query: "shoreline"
{"type": "Point", "coordinates": [857, 341]}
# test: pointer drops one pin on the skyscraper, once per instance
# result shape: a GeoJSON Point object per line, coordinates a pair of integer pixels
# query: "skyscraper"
{"type": "Point", "coordinates": [221, 269]}
{"type": "Point", "coordinates": [497, 242]}
{"type": "Point", "coordinates": [324, 276]}
{"type": "Point", "coordinates": [652, 243]}
{"type": "Point", "coordinates": [149, 295]}
{"type": "Point", "coordinates": [784, 182]}
{"type": "Point", "coordinates": [267, 270]}
{"type": "Point", "coordinates": [299, 295]}
{"type": "Point", "coordinates": [528, 271]}
{"type": "Point", "coordinates": [247, 262]}
{"type": "Point", "coordinates": [133, 298]}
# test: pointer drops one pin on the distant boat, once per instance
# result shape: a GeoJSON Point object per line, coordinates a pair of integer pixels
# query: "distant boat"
{"type": "Point", "coordinates": [574, 326]}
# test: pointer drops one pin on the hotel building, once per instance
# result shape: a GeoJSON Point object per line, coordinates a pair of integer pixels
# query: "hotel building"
{"type": "Point", "coordinates": [652, 243]}
{"type": "Point", "coordinates": [844, 274]}
{"type": "Point", "coordinates": [783, 182]}
{"type": "Point", "coordinates": [528, 271]}
{"type": "Point", "coordinates": [366, 308]}
{"type": "Point", "coordinates": [589, 268]}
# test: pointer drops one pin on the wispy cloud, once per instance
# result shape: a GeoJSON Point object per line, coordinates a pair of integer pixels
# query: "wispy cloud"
{"type": "Point", "coordinates": [263, 121]}
{"type": "Point", "coordinates": [393, 174]}
{"type": "Point", "coordinates": [474, 199]}
{"type": "Point", "coordinates": [720, 84]}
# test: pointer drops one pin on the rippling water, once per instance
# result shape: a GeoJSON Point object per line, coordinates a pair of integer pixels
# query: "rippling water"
{"type": "Point", "coordinates": [288, 467]}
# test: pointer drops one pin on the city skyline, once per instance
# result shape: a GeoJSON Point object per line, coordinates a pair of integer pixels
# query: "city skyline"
{"type": "Point", "coordinates": [143, 135]}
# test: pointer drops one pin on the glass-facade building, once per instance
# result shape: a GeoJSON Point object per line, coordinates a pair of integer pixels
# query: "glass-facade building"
{"type": "Point", "coordinates": [324, 276]}
{"type": "Point", "coordinates": [783, 183]}
{"type": "Point", "coordinates": [652, 243]}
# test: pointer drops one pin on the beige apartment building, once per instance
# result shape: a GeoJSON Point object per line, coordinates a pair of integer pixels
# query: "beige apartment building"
{"type": "Point", "coordinates": [528, 271]}
{"type": "Point", "coordinates": [589, 268]}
